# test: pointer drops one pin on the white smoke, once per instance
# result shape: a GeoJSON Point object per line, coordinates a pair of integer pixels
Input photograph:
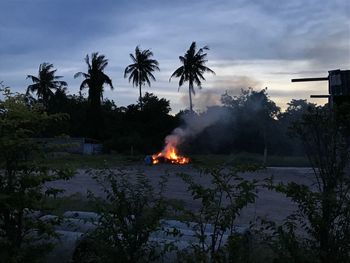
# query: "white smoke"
{"type": "Point", "coordinates": [208, 97]}
{"type": "Point", "coordinates": [208, 101]}
{"type": "Point", "coordinates": [195, 124]}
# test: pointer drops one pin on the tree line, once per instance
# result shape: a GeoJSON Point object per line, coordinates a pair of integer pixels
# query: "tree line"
{"type": "Point", "coordinates": [256, 124]}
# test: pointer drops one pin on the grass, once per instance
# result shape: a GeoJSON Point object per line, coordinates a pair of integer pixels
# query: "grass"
{"type": "Point", "coordinates": [249, 158]}
{"type": "Point", "coordinates": [76, 161]}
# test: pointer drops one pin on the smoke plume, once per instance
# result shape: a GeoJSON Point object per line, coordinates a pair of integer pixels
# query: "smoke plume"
{"type": "Point", "coordinates": [194, 124]}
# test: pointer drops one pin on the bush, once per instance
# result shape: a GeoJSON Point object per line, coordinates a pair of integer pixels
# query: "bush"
{"type": "Point", "coordinates": [319, 231]}
{"type": "Point", "coordinates": [220, 205]}
{"type": "Point", "coordinates": [22, 180]}
{"type": "Point", "coordinates": [131, 211]}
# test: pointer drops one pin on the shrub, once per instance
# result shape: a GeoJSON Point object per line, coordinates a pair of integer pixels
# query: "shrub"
{"type": "Point", "coordinates": [130, 212]}
{"type": "Point", "coordinates": [319, 231]}
{"type": "Point", "coordinates": [220, 205]}
{"type": "Point", "coordinates": [22, 180]}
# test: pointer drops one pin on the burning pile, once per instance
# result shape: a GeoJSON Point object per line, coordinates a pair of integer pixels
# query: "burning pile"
{"type": "Point", "coordinates": [169, 155]}
{"type": "Point", "coordinates": [193, 124]}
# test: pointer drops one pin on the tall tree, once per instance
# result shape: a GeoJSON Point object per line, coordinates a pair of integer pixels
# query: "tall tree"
{"type": "Point", "coordinates": [45, 83]}
{"type": "Point", "coordinates": [255, 112]}
{"type": "Point", "coordinates": [192, 69]}
{"type": "Point", "coordinates": [140, 71]}
{"type": "Point", "coordinates": [95, 78]}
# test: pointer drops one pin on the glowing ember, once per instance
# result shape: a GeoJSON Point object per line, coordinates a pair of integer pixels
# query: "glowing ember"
{"type": "Point", "coordinates": [169, 154]}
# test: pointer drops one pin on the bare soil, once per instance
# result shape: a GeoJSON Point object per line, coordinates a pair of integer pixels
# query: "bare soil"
{"type": "Point", "coordinates": [269, 205]}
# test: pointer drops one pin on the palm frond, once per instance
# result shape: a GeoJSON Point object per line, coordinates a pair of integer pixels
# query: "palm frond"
{"type": "Point", "coordinates": [152, 77]}
{"type": "Point", "coordinates": [59, 83]}
{"type": "Point", "coordinates": [84, 84]}
{"type": "Point", "coordinates": [33, 78]}
{"type": "Point", "coordinates": [140, 72]}
{"type": "Point", "coordinates": [133, 58]}
{"type": "Point", "coordinates": [87, 61]}
{"type": "Point", "coordinates": [108, 81]}
{"type": "Point", "coordinates": [177, 73]}
{"type": "Point", "coordinates": [193, 67]}
{"type": "Point", "coordinates": [79, 74]}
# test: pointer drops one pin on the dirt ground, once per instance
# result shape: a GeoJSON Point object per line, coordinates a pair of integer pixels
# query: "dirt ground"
{"type": "Point", "coordinates": [269, 205]}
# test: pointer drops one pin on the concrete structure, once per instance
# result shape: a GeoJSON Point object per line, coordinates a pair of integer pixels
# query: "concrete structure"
{"type": "Point", "coordinates": [71, 145]}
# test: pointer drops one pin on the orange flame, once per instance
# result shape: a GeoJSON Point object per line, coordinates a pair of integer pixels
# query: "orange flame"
{"type": "Point", "coordinates": [170, 154]}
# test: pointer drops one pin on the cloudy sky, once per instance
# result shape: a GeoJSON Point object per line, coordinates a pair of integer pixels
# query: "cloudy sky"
{"type": "Point", "coordinates": [256, 43]}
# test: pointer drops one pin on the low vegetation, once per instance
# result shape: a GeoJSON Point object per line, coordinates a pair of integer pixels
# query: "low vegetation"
{"type": "Point", "coordinates": [214, 222]}
{"type": "Point", "coordinates": [22, 181]}
{"type": "Point", "coordinates": [128, 216]}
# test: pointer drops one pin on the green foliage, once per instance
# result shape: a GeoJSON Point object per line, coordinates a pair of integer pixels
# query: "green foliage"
{"type": "Point", "coordinates": [124, 128]}
{"type": "Point", "coordinates": [286, 243]}
{"type": "Point", "coordinates": [256, 116]}
{"type": "Point", "coordinates": [220, 205]}
{"type": "Point", "coordinates": [142, 131]}
{"type": "Point", "coordinates": [22, 180]}
{"type": "Point", "coordinates": [254, 104]}
{"type": "Point", "coordinates": [131, 212]}
{"type": "Point", "coordinates": [323, 209]}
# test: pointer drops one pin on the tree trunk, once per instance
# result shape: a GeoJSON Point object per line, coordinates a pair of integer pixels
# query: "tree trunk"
{"type": "Point", "coordinates": [140, 98]}
{"type": "Point", "coordinates": [265, 147]}
{"type": "Point", "coordinates": [326, 251]}
{"type": "Point", "coordinates": [190, 96]}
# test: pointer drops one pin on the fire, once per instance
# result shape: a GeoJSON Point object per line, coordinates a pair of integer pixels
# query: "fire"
{"type": "Point", "coordinates": [169, 154]}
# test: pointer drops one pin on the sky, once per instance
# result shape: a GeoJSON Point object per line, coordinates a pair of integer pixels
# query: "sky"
{"type": "Point", "coordinates": [253, 43]}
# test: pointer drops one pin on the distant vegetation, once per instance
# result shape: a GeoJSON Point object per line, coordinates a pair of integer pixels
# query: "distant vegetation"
{"type": "Point", "coordinates": [251, 121]}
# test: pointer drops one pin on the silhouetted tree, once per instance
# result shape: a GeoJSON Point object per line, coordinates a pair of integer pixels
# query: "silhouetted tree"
{"type": "Point", "coordinates": [294, 112]}
{"type": "Point", "coordinates": [57, 102]}
{"type": "Point", "coordinates": [45, 83]}
{"type": "Point", "coordinates": [256, 114]}
{"type": "Point", "coordinates": [296, 109]}
{"type": "Point", "coordinates": [320, 226]}
{"type": "Point", "coordinates": [152, 105]}
{"type": "Point", "coordinates": [94, 80]}
{"type": "Point", "coordinates": [140, 72]}
{"type": "Point", "coordinates": [192, 69]}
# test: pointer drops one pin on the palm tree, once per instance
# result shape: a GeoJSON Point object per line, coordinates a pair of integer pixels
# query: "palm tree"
{"type": "Point", "coordinates": [192, 69]}
{"type": "Point", "coordinates": [95, 78]}
{"type": "Point", "coordinates": [45, 83]}
{"type": "Point", "coordinates": [141, 69]}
